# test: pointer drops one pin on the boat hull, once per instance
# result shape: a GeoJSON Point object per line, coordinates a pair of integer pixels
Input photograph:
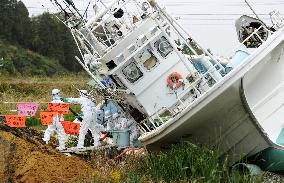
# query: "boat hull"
{"type": "Point", "coordinates": [224, 123]}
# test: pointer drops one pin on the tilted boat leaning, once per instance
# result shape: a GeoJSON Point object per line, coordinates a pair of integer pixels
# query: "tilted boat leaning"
{"type": "Point", "coordinates": [176, 90]}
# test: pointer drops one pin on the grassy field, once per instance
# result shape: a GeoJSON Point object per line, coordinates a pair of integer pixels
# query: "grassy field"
{"type": "Point", "coordinates": [183, 163]}
{"type": "Point", "coordinates": [38, 89]}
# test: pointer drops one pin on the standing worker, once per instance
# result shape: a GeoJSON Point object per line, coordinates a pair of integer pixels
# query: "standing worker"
{"type": "Point", "coordinates": [56, 126]}
{"type": "Point", "coordinates": [89, 118]}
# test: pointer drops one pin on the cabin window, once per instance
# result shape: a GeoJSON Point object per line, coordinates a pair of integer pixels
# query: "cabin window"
{"type": "Point", "coordinates": [150, 63]}
{"type": "Point", "coordinates": [117, 81]}
{"type": "Point", "coordinates": [147, 59]}
{"type": "Point", "coordinates": [163, 47]}
{"type": "Point", "coordinates": [132, 72]}
{"type": "Point", "coordinates": [111, 65]}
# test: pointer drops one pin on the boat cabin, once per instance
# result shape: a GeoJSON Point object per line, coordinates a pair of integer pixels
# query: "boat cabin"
{"type": "Point", "coordinates": [144, 53]}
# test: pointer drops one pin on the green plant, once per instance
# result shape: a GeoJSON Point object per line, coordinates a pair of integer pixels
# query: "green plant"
{"type": "Point", "coordinates": [186, 162]}
{"type": "Point", "coordinates": [72, 141]}
{"type": "Point", "coordinates": [33, 121]}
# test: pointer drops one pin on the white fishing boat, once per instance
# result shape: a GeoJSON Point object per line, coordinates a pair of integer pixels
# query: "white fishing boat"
{"type": "Point", "coordinates": [175, 89]}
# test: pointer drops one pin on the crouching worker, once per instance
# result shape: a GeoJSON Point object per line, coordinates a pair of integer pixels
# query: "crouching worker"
{"type": "Point", "coordinates": [88, 118]}
{"type": "Point", "coordinates": [56, 126]}
{"type": "Point", "coordinates": [127, 122]}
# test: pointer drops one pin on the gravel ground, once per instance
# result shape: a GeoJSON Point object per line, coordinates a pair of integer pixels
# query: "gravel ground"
{"type": "Point", "coordinates": [273, 178]}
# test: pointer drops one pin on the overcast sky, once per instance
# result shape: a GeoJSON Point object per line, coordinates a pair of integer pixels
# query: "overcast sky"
{"type": "Point", "coordinates": [210, 22]}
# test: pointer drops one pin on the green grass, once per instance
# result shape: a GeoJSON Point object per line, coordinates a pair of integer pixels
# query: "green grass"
{"type": "Point", "coordinates": [37, 89]}
{"type": "Point", "coordinates": [186, 162]}
{"type": "Point", "coordinates": [182, 163]}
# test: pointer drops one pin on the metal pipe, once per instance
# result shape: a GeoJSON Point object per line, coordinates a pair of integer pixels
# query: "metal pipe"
{"type": "Point", "coordinates": [100, 23]}
{"type": "Point", "coordinates": [104, 12]}
{"type": "Point", "coordinates": [90, 73]}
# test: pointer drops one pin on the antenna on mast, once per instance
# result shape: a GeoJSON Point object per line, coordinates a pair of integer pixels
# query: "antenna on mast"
{"type": "Point", "coordinates": [255, 13]}
{"type": "Point", "coordinates": [70, 3]}
{"type": "Point", "coordinates": [61, 8]}
{"type": "Point", "coordinates": [252, 10]}
{"type": "Point", "coordinates": [86, 11]}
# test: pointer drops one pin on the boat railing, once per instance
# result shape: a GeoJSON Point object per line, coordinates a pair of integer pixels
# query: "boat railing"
{"type": "Point", "coordinates": [156, 120]}
{"type": "Point", "coordinates": [277, 19]}
{"type": "Point", "coordinates": [132, 11]}
{"type": "Point", "coordinates": [199, 87]}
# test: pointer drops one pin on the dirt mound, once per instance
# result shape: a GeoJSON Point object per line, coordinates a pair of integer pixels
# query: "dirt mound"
{"type": "Point", "coordinates": [25, 158]}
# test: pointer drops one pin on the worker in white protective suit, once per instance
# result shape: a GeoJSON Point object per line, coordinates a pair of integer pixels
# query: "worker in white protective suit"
{"type": "Point", "coordinates": [120, 121]}
{"type": "Point", "coordinates": [110, 112]}
{"type": "Point", "coordinates": [111, 120]}
{"type": "Point", "coordinates": [56, 126]}
{"type": "Point", "coordinates": [130, 124]}
{"type": "Point", "coordinates": [89, 118]}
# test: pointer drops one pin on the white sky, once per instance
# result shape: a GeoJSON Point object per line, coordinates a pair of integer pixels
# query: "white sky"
{"type": "Point", "coordinates": [210, 22]}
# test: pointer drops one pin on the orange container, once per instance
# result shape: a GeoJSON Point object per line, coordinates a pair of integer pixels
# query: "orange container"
{"type": "Point", "coordinates": [62, 108]}
{"type": "Point", "coordinates": [46, 118]}
{"type": "Point", "coordinates": [15, 121]}
{"type": "Point", "coordinates": [71, 127]}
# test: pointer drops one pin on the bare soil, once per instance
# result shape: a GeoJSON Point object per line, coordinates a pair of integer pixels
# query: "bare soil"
{"type": "Point", "coordinates": [25, 158]}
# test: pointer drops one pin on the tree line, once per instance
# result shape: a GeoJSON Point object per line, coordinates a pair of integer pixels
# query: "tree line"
{"type": "Point", "coordinates": [43, 34]}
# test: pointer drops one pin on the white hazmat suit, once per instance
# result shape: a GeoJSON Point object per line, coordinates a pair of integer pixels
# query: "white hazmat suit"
{"type": "Point", "coordinates": [117, 121]}
{"type": "Point", "coordinates": [110, 120]}
{"type": "Point", "coordinates": [89, 118]}
{"type": "Point", "coordinates": [56, 126]}
{"type": "Point", "coordinates": [130, 124]}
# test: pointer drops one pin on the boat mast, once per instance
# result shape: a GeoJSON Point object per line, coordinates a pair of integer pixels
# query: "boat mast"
{"type": "Point", "coordinates": [255, 13]}
{"type": "Point", "coordinates": [252, 10]}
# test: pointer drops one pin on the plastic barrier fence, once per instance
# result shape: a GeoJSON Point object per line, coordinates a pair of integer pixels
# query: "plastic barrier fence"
{"type": "Point", "coordinates": [62, 108]}
{"type": "Point", "coordinates": [27, 109]}
{"type": "Point", "coordinates": [15, 121]}
{"type": "Point", "coordinates": [47, 117]}
{"type": "Point", "coordinates": [71, 127]}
